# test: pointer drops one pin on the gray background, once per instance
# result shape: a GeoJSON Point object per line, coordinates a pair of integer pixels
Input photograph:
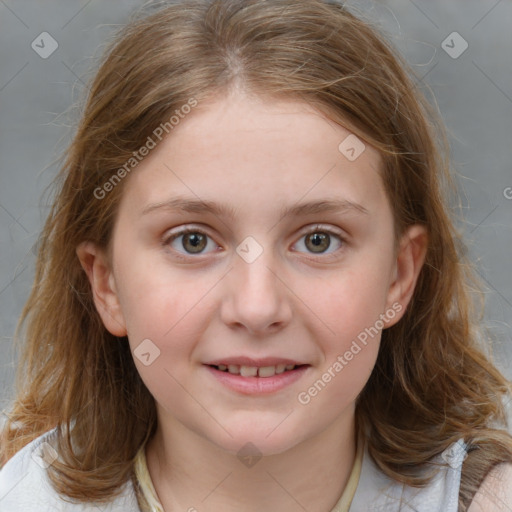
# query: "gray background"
{"type": "Point", "coordinates": [473, 91]}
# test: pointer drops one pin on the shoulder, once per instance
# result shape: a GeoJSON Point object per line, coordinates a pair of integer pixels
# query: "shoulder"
{"type": "Point", "coordinates": [378, 491]}
{"type": "Point", "coordinates": [495, 493]}
{"type": "Point", "coordinates": [25, 486]}
{"type": "Point", "coordinates": [22, 479]}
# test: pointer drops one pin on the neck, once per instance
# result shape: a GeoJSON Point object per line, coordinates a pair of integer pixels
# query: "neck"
{"type": "Point", "coordinates": [192, 474]}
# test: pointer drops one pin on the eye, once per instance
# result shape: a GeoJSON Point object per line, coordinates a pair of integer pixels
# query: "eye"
{"type": "Point", "coordinates": [193, 241]}
{"type": "Point", "coordinates": [319, 240]}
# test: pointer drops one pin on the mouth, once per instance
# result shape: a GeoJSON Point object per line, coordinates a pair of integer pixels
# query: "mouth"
{"type": "Point", "coordinates": [263, 372]}
{"type": "Point", "coordinates": [256, 376]}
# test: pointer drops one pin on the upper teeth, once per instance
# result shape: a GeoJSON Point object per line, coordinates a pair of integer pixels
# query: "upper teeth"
{"type": "Point", "coordinates": [253, 371]}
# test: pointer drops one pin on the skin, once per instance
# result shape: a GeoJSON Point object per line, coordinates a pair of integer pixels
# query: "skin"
{"type": "Point", "coordinates": [495, 493]}
{"type": "Point", "coordinates": [254, 156]}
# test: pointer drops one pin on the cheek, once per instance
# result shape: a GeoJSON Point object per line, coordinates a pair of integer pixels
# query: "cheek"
{"type": "Point", "coordinates": [165, 314]}
{"type": "Point", "coordinates": [165, 318]}
{"type": "Point", "coordinates": [157, 300]}
{"type": "Point", "coordinates": [353, 309]}
{"type": "Point", "coordinates": [352, 350]}
{"type": "Point", "coordinates": [355, 301]}
{"type": "Point", "coordinates": [349, 352]}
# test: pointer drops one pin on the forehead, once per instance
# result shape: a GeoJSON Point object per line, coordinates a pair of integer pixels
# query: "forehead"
{"type": "Point", "coordinates": [252, 153]}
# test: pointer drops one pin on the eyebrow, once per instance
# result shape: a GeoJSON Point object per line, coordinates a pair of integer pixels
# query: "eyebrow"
{"type": "Point", "coordinates": [186, 205]}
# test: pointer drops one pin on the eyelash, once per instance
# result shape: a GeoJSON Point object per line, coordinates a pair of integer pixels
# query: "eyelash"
{"type": "Point", "coordinates": [316, 229]}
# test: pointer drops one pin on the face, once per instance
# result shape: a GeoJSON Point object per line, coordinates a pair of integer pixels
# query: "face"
{"type": "Point", "coordinates": [248, 240]}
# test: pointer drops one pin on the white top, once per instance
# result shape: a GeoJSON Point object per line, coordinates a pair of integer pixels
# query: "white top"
{"type": "Point", "coordinates": [377, 492]}
{"type": "Point", "coordinates": [25, 487]}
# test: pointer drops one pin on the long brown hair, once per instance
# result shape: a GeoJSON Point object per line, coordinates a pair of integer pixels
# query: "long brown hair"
{"type": "Point", "coordinates": [432, 383]}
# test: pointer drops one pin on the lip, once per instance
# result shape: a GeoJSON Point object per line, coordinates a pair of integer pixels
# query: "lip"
{"type": "Point", "coordinates": [257, 385]}
{"type": "Point", "coordinates": [248, 361]}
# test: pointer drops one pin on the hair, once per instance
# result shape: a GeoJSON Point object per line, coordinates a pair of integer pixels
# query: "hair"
{"type": "Point", "coordinates": [433, 382]}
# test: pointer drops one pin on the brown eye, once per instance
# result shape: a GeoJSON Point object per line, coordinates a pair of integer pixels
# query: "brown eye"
{"type": "Point", "coordinates": [318, 242]}
{"type": "Point", "coordinates": [194, 242]}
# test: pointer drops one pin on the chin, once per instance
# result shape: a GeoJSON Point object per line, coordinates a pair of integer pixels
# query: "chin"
{"type": "Point", "coordinates": [263, 439]}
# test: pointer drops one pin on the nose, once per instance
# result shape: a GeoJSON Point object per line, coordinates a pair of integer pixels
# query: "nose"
{"type": "Point", "coordinates": [255, 296]}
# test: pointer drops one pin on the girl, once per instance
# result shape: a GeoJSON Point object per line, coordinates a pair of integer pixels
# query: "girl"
{"type": "Point", "coordinates": [249, 294]}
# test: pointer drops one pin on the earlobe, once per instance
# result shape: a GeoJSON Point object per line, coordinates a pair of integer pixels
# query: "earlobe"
{"type": "Point", "coordinates": [95, 263]}
{"type": "Point", "coordinates": [409, 261]}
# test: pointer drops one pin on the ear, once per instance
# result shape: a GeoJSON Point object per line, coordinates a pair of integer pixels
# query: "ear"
{"type": "Point", "coordinates": [96, 265]}
{"type": "Point", "coordinates": [409, 261]}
